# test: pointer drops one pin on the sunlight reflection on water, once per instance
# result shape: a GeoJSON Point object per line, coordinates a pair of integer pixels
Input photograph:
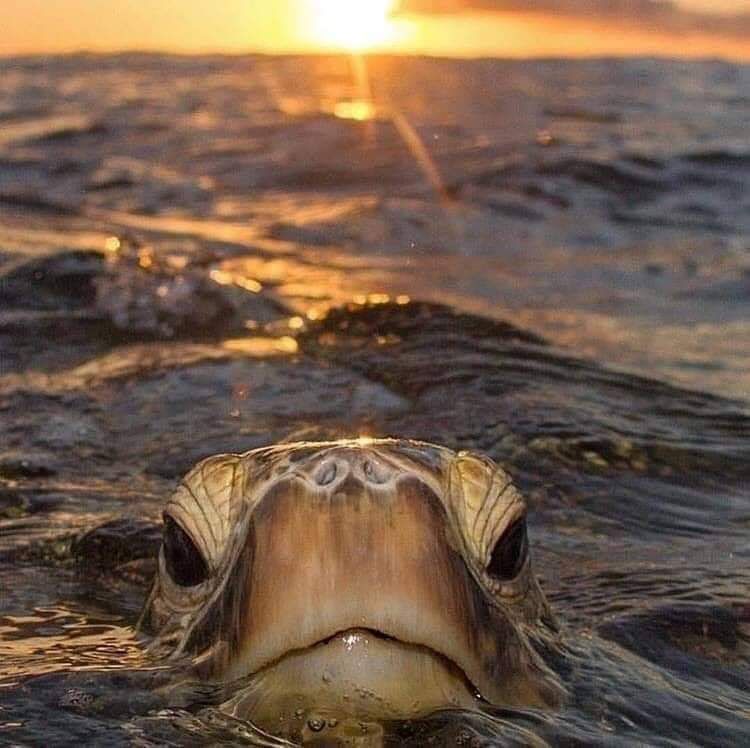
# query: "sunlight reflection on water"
{"type": "Point", "coordinates": [597, 203]}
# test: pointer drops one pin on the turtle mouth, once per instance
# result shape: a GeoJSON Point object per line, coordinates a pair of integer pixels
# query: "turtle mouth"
{"type": "Point", "coordinates": [360, 643]}
{"type": "Point", "coordinates": [356, 671]}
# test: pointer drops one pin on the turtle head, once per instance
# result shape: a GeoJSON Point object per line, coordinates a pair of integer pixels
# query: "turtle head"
{"type": "Point", "coordinates": [378, 578]}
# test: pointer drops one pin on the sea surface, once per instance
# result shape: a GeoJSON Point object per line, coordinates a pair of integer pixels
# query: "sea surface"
{"type": "Point", "coordinates": [544, 260]}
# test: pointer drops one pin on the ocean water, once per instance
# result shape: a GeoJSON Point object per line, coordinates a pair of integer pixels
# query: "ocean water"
{"type": "Point", "coordinates": [548, 261]}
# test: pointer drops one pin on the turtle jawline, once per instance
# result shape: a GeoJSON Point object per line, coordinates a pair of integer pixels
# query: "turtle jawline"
{"type": "Point", "coordinates": [357, 673]}
{"type": "Point", "coordinates": [446, 661]}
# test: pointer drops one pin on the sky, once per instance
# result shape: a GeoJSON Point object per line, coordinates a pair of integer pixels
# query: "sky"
{"type": "Point", "coordinates": [511, 28]}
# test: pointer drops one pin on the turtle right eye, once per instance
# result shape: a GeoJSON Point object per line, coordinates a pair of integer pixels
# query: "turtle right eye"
{"type": "Point", "coordinates": [184, 562]}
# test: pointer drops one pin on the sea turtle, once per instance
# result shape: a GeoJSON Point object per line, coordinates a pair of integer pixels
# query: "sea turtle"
{"type": "Point", "coordinates": [363, 579]}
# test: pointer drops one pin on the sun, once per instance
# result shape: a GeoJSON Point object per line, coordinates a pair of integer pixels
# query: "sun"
{"type": "Point", "coordinates": [355, 25]}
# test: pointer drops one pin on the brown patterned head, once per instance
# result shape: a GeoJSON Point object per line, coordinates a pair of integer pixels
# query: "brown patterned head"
{"type": "Point", "coordinates": [386, 578]}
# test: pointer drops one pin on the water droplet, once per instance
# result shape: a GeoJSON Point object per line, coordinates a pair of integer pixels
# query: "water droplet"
{"type": "Point", "coordinates": [316, 724]}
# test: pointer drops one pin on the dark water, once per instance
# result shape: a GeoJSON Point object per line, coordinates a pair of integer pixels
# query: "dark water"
{"type": "Point", "coordinates": [199, 256]}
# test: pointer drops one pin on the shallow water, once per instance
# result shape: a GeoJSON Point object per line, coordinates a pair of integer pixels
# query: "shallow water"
{"type": "Point", "coordinates": [173, 233]}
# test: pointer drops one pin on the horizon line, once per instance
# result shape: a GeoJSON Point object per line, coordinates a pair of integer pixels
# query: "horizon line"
{"type": "Point", "coordinates": [334, 52]}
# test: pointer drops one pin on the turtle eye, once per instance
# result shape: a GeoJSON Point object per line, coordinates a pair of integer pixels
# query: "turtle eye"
{"type": "Point", "coordinates": [184, 561]}
{"type": "Point", "coordinates": [510, 552]}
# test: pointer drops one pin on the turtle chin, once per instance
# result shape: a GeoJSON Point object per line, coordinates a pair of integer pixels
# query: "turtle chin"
{"type": "Point", "coordinates": [358, 673]}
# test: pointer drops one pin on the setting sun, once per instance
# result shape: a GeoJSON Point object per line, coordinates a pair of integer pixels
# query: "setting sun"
{"type": "Point", "coordinates": [352, 25]}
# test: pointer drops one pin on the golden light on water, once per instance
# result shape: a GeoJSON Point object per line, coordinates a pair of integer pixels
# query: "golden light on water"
{"type": "Point", "coordinates": [359, 110]}
{"type": "Point", "coordinates": [112, 245]}
{"type": "Point", "coordinates": [355, 25]}
{"type": "Point", "coordinates": [224, 278]}
{"type": "Point", "coordinates": [261, 347]}
{"type": "Point", "coordinates": [145, 258]}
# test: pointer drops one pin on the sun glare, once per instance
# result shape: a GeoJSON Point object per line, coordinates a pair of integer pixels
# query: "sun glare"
{"type": "Point", "coordinates": [356, 25]}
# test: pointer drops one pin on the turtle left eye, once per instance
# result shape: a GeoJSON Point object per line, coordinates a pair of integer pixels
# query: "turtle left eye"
{"type": "Point", "coordinates": [184, 561]}
{"type": "Point", "coordinates": [510, 552]}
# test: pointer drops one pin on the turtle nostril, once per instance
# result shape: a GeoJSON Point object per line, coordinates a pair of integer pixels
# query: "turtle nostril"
{"type": "Point", "coordinates": [375, 472]}
{"type": "Point", "coordinates": [326, 474]}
